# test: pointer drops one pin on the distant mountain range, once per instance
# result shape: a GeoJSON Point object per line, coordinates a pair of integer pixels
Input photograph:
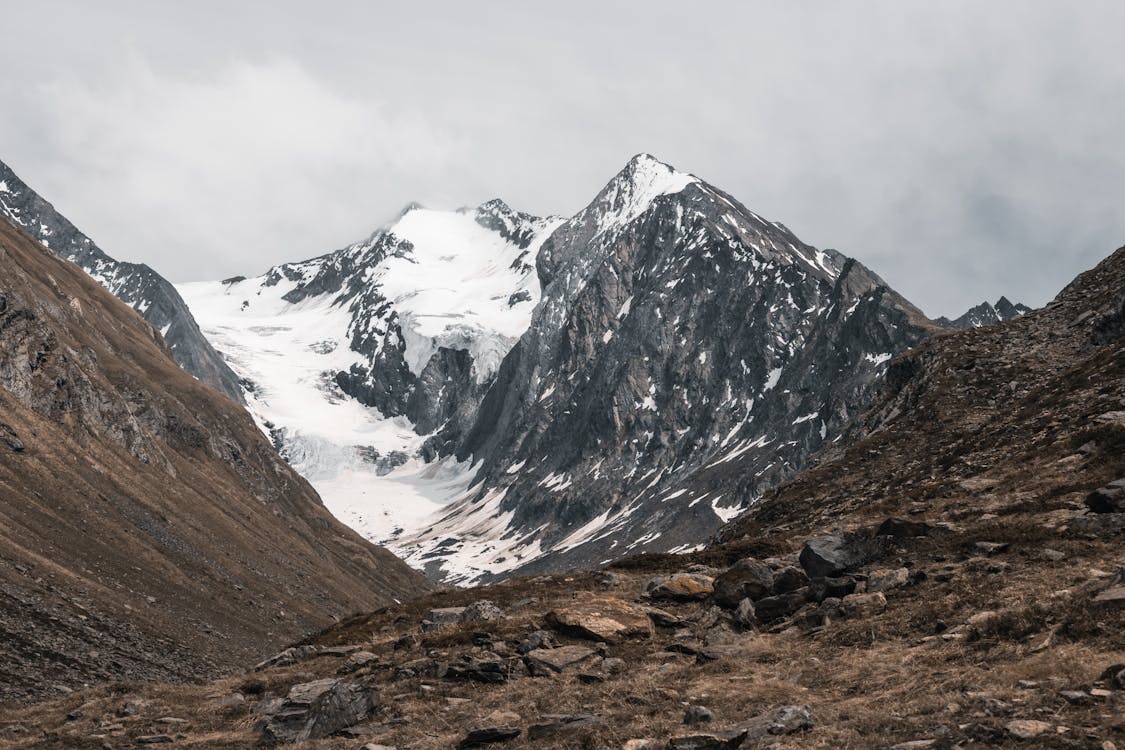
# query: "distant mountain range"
{"type": "Point", "coordinates": [986, 314]}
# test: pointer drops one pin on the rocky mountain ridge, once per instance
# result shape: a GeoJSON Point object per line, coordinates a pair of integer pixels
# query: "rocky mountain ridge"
{"type": "Point", "coordinates": [136, 284]}
{"type": "Point", "coordinates": [986, 314]}
{"type": "Point", "coordinates": [677, 329]}
{"type": "Point", "coordinates": [665, 326]}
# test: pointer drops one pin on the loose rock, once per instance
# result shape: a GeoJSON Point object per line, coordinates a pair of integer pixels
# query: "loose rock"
{"type": "Point", "coordinates": [746, 579]}
{"type": "Point", "coordinates": [684, 587]}
{"type": "Point", "coordinates": [601, 619]}
{"type": "Point", "coordinates": [318, 709]}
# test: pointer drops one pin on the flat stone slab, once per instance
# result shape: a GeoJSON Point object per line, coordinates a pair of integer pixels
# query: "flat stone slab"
{"type": "Point", "coordinates": [601, 619]}
{"type": "Point", "coordinates": [558, 659]}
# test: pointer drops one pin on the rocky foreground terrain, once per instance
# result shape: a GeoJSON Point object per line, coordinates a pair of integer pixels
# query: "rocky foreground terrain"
{"type": "Point", "coordinates": [949, 576]}
{"type": "Point", "coordinates": [147, 528]}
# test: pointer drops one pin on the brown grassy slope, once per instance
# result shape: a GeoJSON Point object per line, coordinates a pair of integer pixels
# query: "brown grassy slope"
{"type": "Point", "coordinates": [147, 528]}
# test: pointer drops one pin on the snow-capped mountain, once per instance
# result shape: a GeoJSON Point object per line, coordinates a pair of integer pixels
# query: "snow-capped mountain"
{"type": "Point", "coordinates": [491, 392]}
{"type": "Point", "coordinates": [985, 314]}
{"type": "Point", "coordinates": [677, 330]}
{"type": "Point", "coordinates": [136, 284]}
{"type": "Point", "coordinates": [354, 358]}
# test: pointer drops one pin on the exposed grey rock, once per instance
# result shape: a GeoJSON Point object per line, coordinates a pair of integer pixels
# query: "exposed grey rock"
{"type": "Point", "coordinates": [536, 639]}
{"type": "Point", "coordinates": [482, 611]}
{"type": "Point", "coordinates": [776, 607]}
{"type": "Point", "coordinates": [443, 617]}
{"type": "Point", "coordinates": [835, 554]}
{"type": "Point", "coordinates": [601, 382]}
{"type": "Point", "coordinates": [1108, 499]}
{"type": "Point", "coordinates": [698, 715]}
{"type": "Point", "coordinates": [789, 578]}
{"type": "Point", "coordinates": [747, 578]}
{"type": "Point", "coordinates": [313, 710]}
{"type": "Point", "coordinates": [559, 659]}
{"type": "Point", "coordinates": [487, 735]}
{"type": "Point", "coordinates": [487, 668]}
{"type": "Point", "coordinates": [885, 580]}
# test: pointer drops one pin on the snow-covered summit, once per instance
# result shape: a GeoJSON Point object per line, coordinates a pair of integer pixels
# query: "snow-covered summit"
{"type": "Point", "coordinates": [628, 195]}
{"type": "Point", "coordinates": [354, 357]}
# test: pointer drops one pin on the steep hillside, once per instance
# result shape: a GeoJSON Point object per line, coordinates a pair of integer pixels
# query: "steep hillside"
{"type": "Point", "coordinates": [147, 528]}
{"type": "Point", "coordinates": [136, 284]}
{"type": "Point", "coordinates": [948, 577]}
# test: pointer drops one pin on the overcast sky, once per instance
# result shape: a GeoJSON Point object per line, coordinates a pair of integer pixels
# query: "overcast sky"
{"type": "Point", "coordinates": [962, 150]}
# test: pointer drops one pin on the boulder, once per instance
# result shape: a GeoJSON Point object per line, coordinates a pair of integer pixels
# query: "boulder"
{"type": "Point", "coordinates": [835, 554]}
{"type": "Point", "coordinates": [287, 657]}
{"type": "Point", "coordinates": [863, 605]}
{"type": "Point", "coordinates": [1108, 499]}
{"type": "Point", "coordinates": [443, 617]}
{"type": "Point", "coordinates": [486, 735]}
{"type": "Point", "coordinates": [698, 715]}
{"type": "Point", "coordinates": [824, 588]}
{"type": "Point", "coordinates": [725, 740]}
{"type": "Point", "coordinates": [1112, 597]}
{"type": "Point", "coordinates": [1028, 729]}
{"type": "Point", "coordinates": [482, 611]}
{"type": "Point", "coordinates": [788, 578]}
{"type": "Point", "coordinates": [313, 710]}
{"type": "Point", "coordinates": [488, 668]}
{"type": "Point", "coordinates": [885, 580]}
{"type": "Point", "coordinates": [601, 619]}
{"type": "Point", "coordinates": [781, 721]}
{"type": "Point", "coordinates": [682, 587]}
{"type": "Point", "coordinates": [546, 660]}
{"type": "Point", "coordinates": [776, 607]}
{"type": "Point", "coordinates": [536, 639]}
{"type": "Point", "coordinates": [746, 579]}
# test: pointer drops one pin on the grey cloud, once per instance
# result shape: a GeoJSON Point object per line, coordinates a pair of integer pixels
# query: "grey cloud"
{"type": "Point", "coordinates": [962, 150]}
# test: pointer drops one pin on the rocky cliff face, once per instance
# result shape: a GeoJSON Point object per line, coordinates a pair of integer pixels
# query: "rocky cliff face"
{"type": "Point", "coordinates": [986, 314]}
{"type": "Point", "coordinates": [677, 330]}
{"type": "Point", "coordinates": [136, 284]}
{"type": "Point", "coordinates": [147, 528]}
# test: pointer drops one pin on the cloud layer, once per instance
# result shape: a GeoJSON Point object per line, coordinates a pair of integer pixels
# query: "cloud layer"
{"type": "Point", "coordinates": [962, 152]}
